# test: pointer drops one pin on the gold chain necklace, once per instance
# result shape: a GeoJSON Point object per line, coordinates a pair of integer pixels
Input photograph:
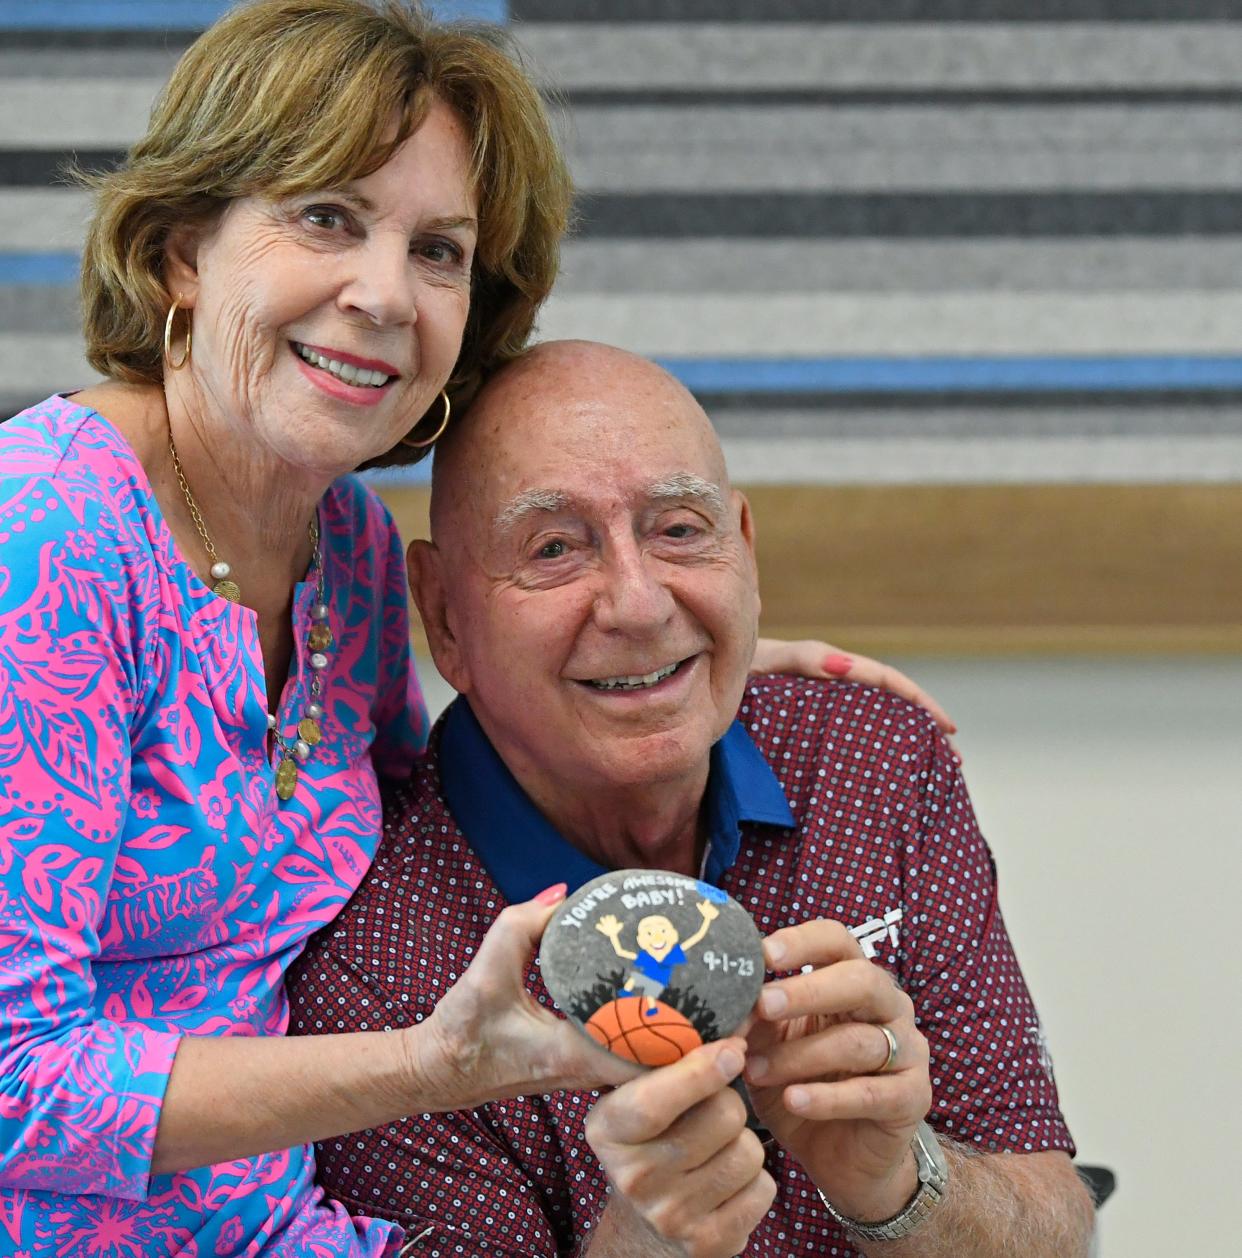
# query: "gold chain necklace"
{"type": "Point", "coordinates": [220, 571]}
{"type": "Point", "coordinates": [309, 730]}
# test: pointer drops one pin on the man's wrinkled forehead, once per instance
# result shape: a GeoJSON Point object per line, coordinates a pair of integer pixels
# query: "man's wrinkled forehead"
{"type": "Point", "coordinates": [573, 421]}
{"type": "Point", "coordinates": [676, 487]}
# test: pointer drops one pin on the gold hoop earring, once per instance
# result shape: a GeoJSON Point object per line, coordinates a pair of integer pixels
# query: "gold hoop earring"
{"type": "Point", "coordinates": [189, 335]}
{"type": "Point", "coordinates": [420, 445]}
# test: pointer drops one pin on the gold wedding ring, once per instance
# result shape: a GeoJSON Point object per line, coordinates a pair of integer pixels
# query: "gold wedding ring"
{"type": "Point", "coordinates": [891, 1059]}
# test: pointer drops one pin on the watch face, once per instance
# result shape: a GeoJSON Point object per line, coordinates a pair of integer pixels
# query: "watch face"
{"type": "Point", "coordinates": [651, 964]}
{"type": "Point", "coordinates": [933, 1167]}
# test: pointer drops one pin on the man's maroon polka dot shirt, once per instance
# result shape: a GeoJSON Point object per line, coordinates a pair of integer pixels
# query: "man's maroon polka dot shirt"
{"type": "Point", "coordinates": [885, 841]}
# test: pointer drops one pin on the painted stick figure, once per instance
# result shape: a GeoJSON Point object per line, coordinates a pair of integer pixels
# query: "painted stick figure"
{"type": "Point", "coordinates": [660, 949]}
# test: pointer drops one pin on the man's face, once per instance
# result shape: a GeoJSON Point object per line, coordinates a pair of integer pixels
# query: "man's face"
{"type": "Point", "coordinates": [656, 935]}
{"type": "Point", "coordinates": [599, 578]}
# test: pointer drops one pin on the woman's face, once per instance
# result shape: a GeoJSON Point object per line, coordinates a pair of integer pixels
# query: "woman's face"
{"type": "Point", "coordinates": [325, 325]}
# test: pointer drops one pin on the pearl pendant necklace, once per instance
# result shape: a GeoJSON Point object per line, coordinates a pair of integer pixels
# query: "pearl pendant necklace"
{"type": "Point", "coordinates": [220, 571]}
{"type": "Point", "coordinates": [294, 751]}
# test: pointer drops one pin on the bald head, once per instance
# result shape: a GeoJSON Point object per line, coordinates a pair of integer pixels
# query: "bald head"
{"type": "Point", "coordinates": [557, 396]}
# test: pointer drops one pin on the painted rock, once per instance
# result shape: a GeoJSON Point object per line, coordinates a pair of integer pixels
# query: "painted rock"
{"type": "Point", "coordinates": [651, 964]}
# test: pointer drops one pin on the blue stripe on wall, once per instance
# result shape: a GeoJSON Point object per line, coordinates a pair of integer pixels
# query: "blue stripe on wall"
{"type": "Point", "coordinates": [925, 375]}
{"type": "Point", "coordinates": [109, 14]}
{"type": "Point", "coordinates": [127, 15]}
{"type": "Point", "coordinates": [479, 10]}
{"type": "Point", "coordinates": [419, 474]}
{"type": "Point", "coordinates": [39, 268]}
{"type": "Point", "coordinates": [954, 374]}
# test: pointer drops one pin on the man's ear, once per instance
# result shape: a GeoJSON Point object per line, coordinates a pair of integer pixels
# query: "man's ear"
{"type": "Point", "coordinates": [181, 263]}
{"type": "Point", "coordinates": [745, 520]}
{"type": "Point", "coordinates": [746, 526]}
{"type": "Point", "coordinates": [424, 565]}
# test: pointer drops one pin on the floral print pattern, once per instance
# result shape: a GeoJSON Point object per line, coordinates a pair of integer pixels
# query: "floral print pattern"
{"type": "Point", "coordinates": [152, 885]}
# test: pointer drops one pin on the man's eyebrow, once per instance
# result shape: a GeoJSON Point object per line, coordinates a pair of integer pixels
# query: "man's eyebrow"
{"type": "Point", "coordinates": [686, 485]}
{"type": "Point", "coordinates": [528, 502]}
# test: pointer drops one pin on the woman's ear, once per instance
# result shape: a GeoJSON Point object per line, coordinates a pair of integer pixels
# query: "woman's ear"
{"type": "Point", "coordinates": [181, 250]}
{"type": "Point", "coordinates": [424, 566]}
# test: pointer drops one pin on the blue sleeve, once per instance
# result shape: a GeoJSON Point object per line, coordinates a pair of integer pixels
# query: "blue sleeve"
{"type": "Point", "coordinates": [80, 1096]}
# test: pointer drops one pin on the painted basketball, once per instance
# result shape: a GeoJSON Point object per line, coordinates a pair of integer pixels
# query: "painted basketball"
{"type": "Point", "coordinates": [643, 1030]}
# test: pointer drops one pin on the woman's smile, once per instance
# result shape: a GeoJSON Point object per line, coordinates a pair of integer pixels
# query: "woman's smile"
{"type": "Point", "coordinates": [340, 376]}
{"type": "Point", "coordinates": [347, 367]}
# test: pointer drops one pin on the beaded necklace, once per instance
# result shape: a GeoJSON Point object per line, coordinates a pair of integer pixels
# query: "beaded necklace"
{"type": "Point", "coordinates": [294, 751]}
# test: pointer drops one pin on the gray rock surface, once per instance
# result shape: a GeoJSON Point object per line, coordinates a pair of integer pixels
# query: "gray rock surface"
{"type": "Point", "coordinates": [663, 940]}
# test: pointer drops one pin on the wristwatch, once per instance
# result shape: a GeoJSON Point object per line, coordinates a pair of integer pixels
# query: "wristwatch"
{"type": "Point", "coordinates": [933, 1173]}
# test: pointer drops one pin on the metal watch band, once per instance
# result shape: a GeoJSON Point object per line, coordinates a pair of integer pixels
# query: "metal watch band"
{"type": "Point", "coordinates": [933, 1180]}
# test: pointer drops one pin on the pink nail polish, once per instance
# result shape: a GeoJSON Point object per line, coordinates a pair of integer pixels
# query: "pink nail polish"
{"type": "Point", "coordinates": [552, 894]}
{"type": "Point", "coordinates": [838, 665]}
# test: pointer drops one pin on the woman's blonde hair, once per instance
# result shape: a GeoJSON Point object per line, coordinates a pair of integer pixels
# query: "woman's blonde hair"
{"type": "Point", "coordinates": [284, 96]}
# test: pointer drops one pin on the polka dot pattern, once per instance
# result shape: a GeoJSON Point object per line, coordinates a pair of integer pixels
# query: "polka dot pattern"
{"type": "Point", "coordinates": [884, 823]}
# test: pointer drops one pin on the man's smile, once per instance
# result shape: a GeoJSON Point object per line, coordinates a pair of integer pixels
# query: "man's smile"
{"type": "Point", "coordinates": [637, 681]}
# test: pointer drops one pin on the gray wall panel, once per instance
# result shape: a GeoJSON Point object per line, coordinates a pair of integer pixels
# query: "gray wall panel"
{"type": "Point", "coordinates": [824, 325]}
{"type": "Point", "coordinates": [815, 55]}
{"type": "Point", "coordinates": [95, 113]}
{"type": "Point", "coordinates": [1013, 460]}
{"type": "Point", "coordinates": [878, 12]}
{"type": "Point", "coordinates": [36, 220]}
{"type": "Point", "coordinates": [899, 148]}
{"type": "Point", "coordinates": [957, 178]}
{"type": "Point", "coordinates": [33, 365]}
{"type": "Point", "coordinates": [27, 308]}
{"type": "Point", "coordinates": [830, 422]}
{"type": "Point", "coordinates": [58, 62]}
{"type": "Point", "coordinates": [926, 214]}
{"type": "Point", "coordinates": [757, 265]}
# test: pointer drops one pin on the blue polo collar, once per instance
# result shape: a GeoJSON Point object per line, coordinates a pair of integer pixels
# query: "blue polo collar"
{"type": "Point", "coordinates": [524, 853]}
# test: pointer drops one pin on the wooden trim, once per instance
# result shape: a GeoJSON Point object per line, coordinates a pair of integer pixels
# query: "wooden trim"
{"type": "Point", "coordinates": [1099, 569]}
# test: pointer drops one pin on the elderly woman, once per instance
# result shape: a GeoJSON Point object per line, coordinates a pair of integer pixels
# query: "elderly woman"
{"type": "Point", "coordinates": [339, 218]}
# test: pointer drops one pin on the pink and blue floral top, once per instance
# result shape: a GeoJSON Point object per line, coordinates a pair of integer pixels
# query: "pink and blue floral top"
{"type": "Point", "coordinates": [152, 884]}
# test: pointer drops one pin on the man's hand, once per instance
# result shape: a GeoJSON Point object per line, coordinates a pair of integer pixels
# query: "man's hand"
{"type": "Point", "coordinates": [675, 1145]}
{"type": "Point", "coordinates": [815, 1057]}
{"type": "Point", "coordinates": [609, 925]}
{"type": "Point", "coordinates": [709, 910]}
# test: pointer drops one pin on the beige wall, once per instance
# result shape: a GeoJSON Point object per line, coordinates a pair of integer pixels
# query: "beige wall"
{"type": "Point", "coordinates": [1111, 792]}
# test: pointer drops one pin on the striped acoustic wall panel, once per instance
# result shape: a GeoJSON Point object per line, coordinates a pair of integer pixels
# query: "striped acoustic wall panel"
{"type": "Point", "coordinates": [961, 290]}
{"type": "Point", "coordinates": [951, 242]}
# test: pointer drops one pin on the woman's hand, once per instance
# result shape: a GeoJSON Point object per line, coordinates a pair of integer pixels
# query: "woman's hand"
{"type": "Point", "coordinates": [489, 1038]}
{"type": "Point", "coordinates": [234, 1096]}
{"type": "Point", "coordinates": [808, 658]}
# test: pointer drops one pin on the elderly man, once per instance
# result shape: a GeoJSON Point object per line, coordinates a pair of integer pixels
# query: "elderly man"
{"type": "Point", "coordinates": [590, 590]}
